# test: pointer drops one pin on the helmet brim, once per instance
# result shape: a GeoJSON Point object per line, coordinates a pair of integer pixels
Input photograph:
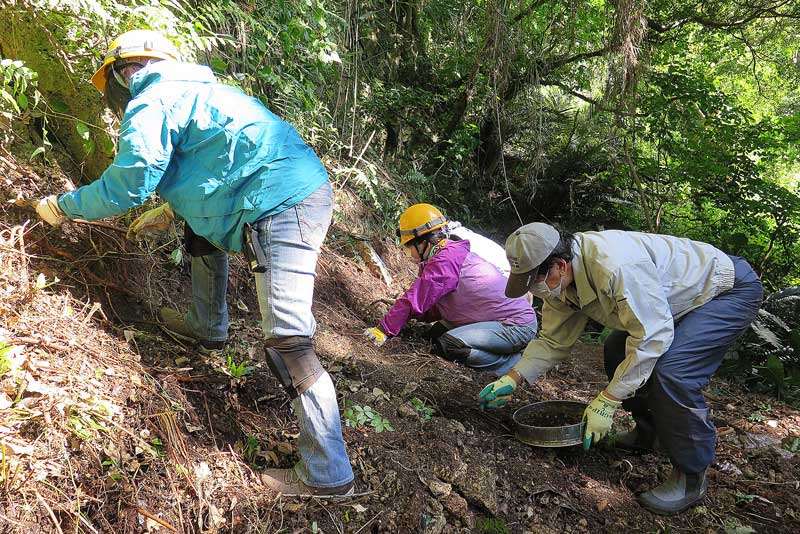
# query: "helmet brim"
{"type": "Point", "coordinates": [100, 77]}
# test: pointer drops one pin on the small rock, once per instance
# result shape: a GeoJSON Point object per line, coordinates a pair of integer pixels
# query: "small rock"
{"type": "Point", "coordinates": [583, 522]}
{"type": "Point", "coordinates": [749, 473]}
{"type": "Point", "coordinates": [404, 410]}
{"type": "Point", "coordinates": [410, 388]}
{"type": "Point", "coordinates": [730, 407]}
{"type": "Point", "coordinates": [781, 453]}
{"type": "Point", "coordinates": [772, 423]}
{"type": "Point", "coordinates": [729, 469]}
{"type": "Point", "coordinates": [479, 486]}
{"type": "Point", "coordinates": [752, 441]}
{"type": "Point", "coordinates": [437, 487]}
{"type": "Point", "coordinates": [456, 505]}
{"type": "Point", "coordinates": [433, 520]}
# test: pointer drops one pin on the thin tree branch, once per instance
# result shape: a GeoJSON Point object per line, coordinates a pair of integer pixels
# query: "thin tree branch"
{"type": "Point", "coordinates": [597, 103]}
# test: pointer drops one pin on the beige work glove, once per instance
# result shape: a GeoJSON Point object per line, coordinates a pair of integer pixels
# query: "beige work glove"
{"type": "Point", "coordinates": [155, 220]}
{"type": "Point", "coordinates": [50, 212]}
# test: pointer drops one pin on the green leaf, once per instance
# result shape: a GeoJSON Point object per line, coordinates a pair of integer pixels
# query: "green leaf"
{"type": "Point", "coordinates": [775, 367]}
{"type": "Point", "coordinates": [219, 65]}
{"type": "Point", "coordinates": [794, 340]}
{"type": "Point", "coordinates": [59, 106]}
{"type": "Point", "coordinates": [176, 257]}
{"type": "Point", "coordinates": [36, 152]}
{"type": "Point", "coordinates": [106, 144]}
{"type": "Point", "coordinates": [83, 130]}
{"type": "Point", "coordinates": [22, 100]}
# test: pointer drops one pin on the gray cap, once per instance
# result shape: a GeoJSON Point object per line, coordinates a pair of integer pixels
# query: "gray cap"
{"type": "Point", "coordinates": [526, 249]}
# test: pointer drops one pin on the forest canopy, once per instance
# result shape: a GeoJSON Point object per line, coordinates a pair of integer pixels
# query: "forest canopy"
{"type": "Point", "coordinates": [679, 117]}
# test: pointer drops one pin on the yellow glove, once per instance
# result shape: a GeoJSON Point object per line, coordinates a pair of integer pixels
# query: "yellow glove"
{"type": "Point", "coordinates": [50, 212]}
{"type": "Point", "coordinates": [154, 220]}
{"type": "Point", "coordinates": [375, 335]}
{"type": "Point", "coordinates": [598, 417]}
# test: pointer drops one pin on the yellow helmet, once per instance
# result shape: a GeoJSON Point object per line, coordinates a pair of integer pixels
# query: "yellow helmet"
{"type": "Point", "coordinates": [134, 43]}
{"type": "Point", "coordinates": [419, 219]}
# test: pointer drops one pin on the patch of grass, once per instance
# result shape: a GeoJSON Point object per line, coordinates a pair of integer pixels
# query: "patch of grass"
{"type": "Point", "coordinates": [252, 448]}
{"type": "Point", "coordinates": [238, 370]}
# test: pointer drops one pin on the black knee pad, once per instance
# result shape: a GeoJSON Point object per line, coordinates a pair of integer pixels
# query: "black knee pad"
{"type": "Point", "coordinates": [436, 330]}
{"type": "Point", "coordinates": [196, 245]}
{"type": "Point", "coordinates": [453, 349]}
{"type": "Point", "coordinates": [294, 363]}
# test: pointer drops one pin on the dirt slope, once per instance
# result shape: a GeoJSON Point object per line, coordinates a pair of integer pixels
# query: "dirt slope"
{"type": "Point", "coordinates": [108, 426]}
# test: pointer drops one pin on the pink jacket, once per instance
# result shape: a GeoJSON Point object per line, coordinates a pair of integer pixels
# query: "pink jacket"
{"type": "Point", "coordinates": [458, 286]}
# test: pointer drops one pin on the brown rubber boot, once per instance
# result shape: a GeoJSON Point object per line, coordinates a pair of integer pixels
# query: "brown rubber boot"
{"type": "Point", "coordinates": [174, 324]}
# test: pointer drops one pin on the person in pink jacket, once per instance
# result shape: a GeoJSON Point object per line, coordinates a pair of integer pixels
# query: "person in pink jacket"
{"type": "Point", "coordinates": [488, 330]}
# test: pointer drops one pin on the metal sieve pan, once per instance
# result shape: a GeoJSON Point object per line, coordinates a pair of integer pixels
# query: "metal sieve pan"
{"type": "Point", "coordinates": [550, 436]}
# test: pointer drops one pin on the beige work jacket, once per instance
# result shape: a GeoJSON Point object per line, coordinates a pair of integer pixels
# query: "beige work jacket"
{"type": "Point", "coordinates": [630, 281]}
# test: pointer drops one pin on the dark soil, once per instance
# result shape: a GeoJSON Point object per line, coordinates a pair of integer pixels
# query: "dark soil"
{"type": "Point", "coordinates": [546, 420]}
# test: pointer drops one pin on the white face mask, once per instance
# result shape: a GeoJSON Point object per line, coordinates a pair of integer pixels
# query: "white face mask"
{"type": "Point", "coordinates": [541, 290]}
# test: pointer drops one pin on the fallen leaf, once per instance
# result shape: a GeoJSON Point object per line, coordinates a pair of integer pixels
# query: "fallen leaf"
{"type": "Point", "coordinates": [358, 508]}
{"type": "Point", "coordinates": [602, 505]}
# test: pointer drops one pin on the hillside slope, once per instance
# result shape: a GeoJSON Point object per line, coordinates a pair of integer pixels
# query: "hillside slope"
{"type": "Point", "coordinates": [109, 426]}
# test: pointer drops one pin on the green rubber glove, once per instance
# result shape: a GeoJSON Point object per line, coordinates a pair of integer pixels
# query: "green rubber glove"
{"type": "Point", "coordinates": [498, 393]}
{"type": "Point", "coordinates": [598, 417]}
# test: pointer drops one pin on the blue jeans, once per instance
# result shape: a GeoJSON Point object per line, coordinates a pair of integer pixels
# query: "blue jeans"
{"type": "Point", "coordinates": [489, 346]}
{"type": "Point", "coordinates": [671, 403]}
{"type": "Point", "coordinates": [291, 241]}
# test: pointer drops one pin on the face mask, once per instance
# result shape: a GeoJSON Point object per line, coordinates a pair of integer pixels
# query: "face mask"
{"type": "Point", "coordinates": [541, 290]}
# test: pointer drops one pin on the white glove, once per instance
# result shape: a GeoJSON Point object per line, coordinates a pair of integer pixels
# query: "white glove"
{"type": "Point", "coordinates": [50, 212]}
{"type": "Point", "coordinates": [154, 220]}
{"type": "Point", "coordinates": [375, 335]}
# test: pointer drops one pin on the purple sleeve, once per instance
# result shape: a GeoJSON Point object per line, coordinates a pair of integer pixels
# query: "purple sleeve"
{"type": "Point", "coordinates": [438, 278]}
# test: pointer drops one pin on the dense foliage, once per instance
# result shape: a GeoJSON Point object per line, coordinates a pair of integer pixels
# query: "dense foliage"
{"type": "Point", "coordinates": [680, 116]}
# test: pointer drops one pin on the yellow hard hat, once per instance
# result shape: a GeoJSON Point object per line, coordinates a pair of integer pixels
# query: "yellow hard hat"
{"type": "Point", "coordinates": [419, 219]}
{"type": "Point", "coordinates": [138, 43]}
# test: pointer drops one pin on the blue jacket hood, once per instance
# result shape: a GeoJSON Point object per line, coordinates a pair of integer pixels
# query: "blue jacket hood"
{"type": "Point", "coordinates": [169, 71]}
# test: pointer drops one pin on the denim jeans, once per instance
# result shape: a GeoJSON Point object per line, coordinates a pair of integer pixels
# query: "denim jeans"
{"type": "Point", "coordinates": [494, 346]}
{"type": "Point", "coordinates": [291, 241]}
{"type": "Point", "coordinates": [671, 403]}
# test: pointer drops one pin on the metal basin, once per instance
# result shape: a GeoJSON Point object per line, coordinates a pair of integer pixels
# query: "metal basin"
{"type": "Point", "coordinates": [550, 436]}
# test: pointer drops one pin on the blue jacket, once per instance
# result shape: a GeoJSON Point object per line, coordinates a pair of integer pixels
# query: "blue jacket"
{"type": "Point", "coordinates": [219, 157]}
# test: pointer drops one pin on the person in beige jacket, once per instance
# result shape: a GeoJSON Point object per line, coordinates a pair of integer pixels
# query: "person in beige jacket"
{"type": "Point", "coordinates": [675, 306]}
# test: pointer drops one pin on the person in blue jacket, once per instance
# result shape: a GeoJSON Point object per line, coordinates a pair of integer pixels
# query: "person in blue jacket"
{"type": "Point", "coordinates": [240, 178]}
